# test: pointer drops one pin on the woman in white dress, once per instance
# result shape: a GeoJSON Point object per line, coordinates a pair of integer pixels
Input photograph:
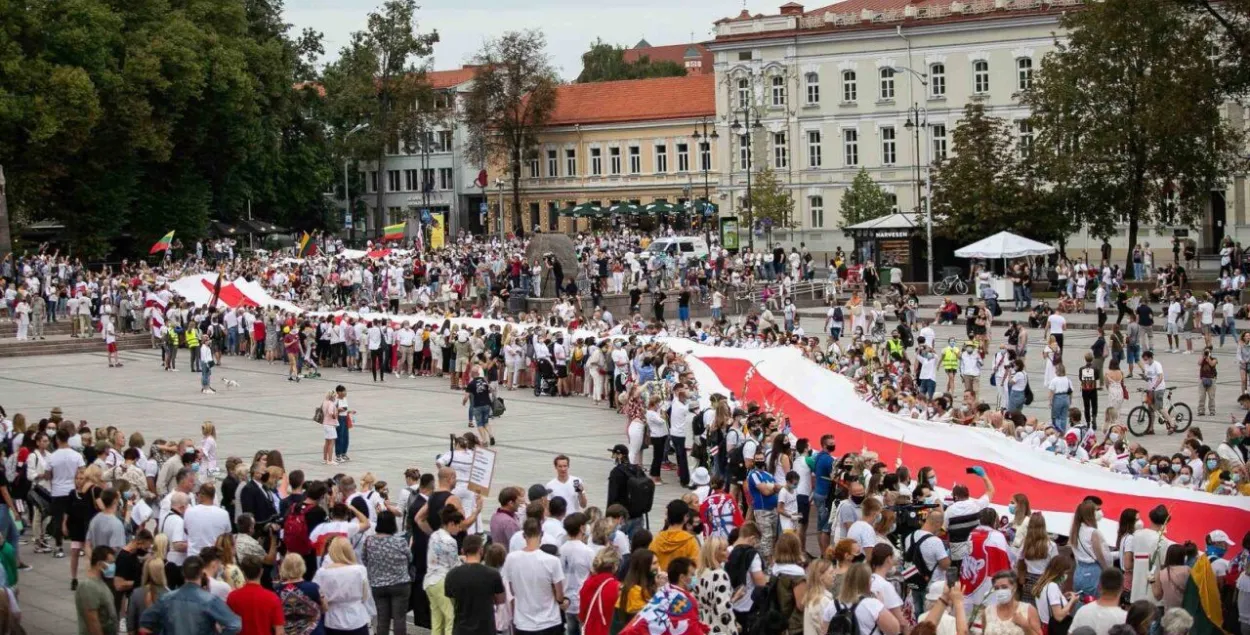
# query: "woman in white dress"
{"type": "Point", "coordinates": [22, 313]}
{"type": "Point", "coordinates": [1115, 392]}
{"type": "Point", "coordinates": [1049, 354]}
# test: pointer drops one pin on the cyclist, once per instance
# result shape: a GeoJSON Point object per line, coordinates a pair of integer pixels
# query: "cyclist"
{"type": "Point", "coordinates": [1157, 392]}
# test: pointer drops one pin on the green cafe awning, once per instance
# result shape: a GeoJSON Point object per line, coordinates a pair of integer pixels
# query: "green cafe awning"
{"type": "Point", "coordinates": [583, 210]}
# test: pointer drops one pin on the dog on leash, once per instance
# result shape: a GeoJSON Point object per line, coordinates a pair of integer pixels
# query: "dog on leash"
{"type": "Point", "coordinates": [230, 383]}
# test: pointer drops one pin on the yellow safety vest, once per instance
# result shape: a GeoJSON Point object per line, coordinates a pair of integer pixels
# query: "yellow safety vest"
{"type": "Point", "coordinates": [193, 339]}
{"type": "Point", "coordinates": [950, 358]}
{"type": "Point", "coordinates": [896, 347]}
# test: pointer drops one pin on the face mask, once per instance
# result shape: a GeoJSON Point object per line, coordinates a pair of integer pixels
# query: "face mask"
{"type": "Point", "coordinates": [1011, 509]}
{"type": "Point", "coordinates": [1138, 525]}
{"type": "Point", "coordinates": [857, 499]}
{"type": "Point", "coordinates": [1140, 464]}
{"type": "Point", "coordinates": [1176, 467]}
{"type": "Point", "coordinates": [1001, 596]}
{"type": "Point", "coordinates": [1114, 436]}
{"type": "Point", "coordinates": [195, 467]}
{"type": "Point", "coordinates": [1098, 515]}
{"type": "Point", "coordinates": [1187, 453]}
{"type": "Point", "coordinates": [932, 481]}
{"type": "Point", "coordinates": [1183, 479]}
{"type": "Point", "coordinates": [128, 495]}
{"type": "Point", "coordinates": [110, 570]}
{"type": "Point", "coordinates": [1154, 469]}
{"type": "Point", "coordinates": [1216, 551]}
{"type": "Point", "coordinates": [1212, 464]}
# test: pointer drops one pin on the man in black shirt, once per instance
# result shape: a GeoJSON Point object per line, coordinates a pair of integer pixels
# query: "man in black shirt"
{"type": "Point", "coordinates": [779, 261]}
{"type": "Point", "coordinates": [129, 561]}
{"type": "Point", "coordinates": [657, 304]}
{"type": "Point", "coordinates": [478, 390]}
{"type": "Point", "coordinates": [683, 306]}
{"type": "Point", "coordinates": [475, 589]}
{"type": "Point", "coordinates": [635, 299]}
{"type": "Point", "coordinates": [1146, 321]}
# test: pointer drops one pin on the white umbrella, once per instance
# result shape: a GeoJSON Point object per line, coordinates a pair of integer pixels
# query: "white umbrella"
{"type": "Point", "coordinates": [1004, 245]}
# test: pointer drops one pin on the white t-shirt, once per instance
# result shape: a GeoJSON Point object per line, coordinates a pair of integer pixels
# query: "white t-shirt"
{"type": "Point", "coordinates": [1052, 595]}
{"type": "Point", "coordinates": [553, 532]}
{"type": "Point", "coordinates": [1098, 617]}
{"type": "Point", "coordinates": [64, 464]}
{"type": "Point", "coordinates": [744, 603]}
{"type": "Point", "coordinates": [174, 528]}
{"type": "Point", "coordinates": [931, 551]}
{"type": "Point", "coordinates": [1056, 323]}
{"type": "Point", "coordinates": [863, 533]}
{"type": "Point", "coordinates": [576, 557]}
{"type": "Point", "coordinates": [1154, 371]}
{"type": "Point", "coordinates": [1208, 312]}
{"type": "Point", "coordinates": [865, 614]}
{"type": "Point", "coordinates": [566, 491]}
{"type": "Point", "coordinates": [530, 575]}
{"type": "Point", "coordinates": [1174, 312]}
{"type": "Point", "coordinates": [788, 501]}
{"type": "Point", "coordinates": [204, 524]}
{"type": "Point", "coordinates": [885, 592]}
{"type": "Point", "coordinates": [1060, 385]}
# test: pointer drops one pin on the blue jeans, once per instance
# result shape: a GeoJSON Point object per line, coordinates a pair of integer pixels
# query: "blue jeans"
{"type": "Point", "coordinates": [1015, 400]}
{"type": "Point", "coordinates": [232, 340]}
{"type": "Point", "coordinates": [1085, 579]}
{"type": "Point", "coordinates": [1059, 412]}
{"type": "Point", "coordinates": [1138, 269]}
{"type": "Point", "coordinates": [1228, 330]}
{"type": "Point", "coordinates": [206, 374]}
{"type": "Point", "coordinates": [8, 528]}
{"type": "Point", "coordinates": [340, 442]}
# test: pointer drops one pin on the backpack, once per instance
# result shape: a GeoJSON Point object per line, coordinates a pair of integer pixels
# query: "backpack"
{"type": "Point", "coordinates": [738, 564]}
{"type": "Point", "coordinates": [295, 530]}
{"type": "Point", "coordinates": [917, 574]}
{"type": "Point", "coordinates": [639, 492]}
{"type": "Point", "coordinates": [766, 617]}
{"type": "Point", "coordinates": [837, 314]}
{"type": "Point", "coordinates": [737, 462]}
{"type": "Point", "coordinates": [319, 415]}
{"type": "Point", "coordinates": [497, 407]}
{"type": "Point", "coordinates": [844, 622]}
{"type": "Point", "coordinates": [696, 425]}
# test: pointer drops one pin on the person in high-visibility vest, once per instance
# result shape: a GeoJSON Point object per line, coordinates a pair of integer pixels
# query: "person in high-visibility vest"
{"type": "Point", "coordinates": [895, 345]}
{"type": "Point", "coordinates": [950, 364]}
{"type": "Point", "coordinates": [171, 342]}
{"type": "Point", "coordinates": [193, 345]}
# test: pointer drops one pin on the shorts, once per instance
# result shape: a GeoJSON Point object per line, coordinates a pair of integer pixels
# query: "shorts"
{"type": "Point", "coordinates": [480, 416]}
{"type": "Point", "coordinates": [462, 364]}
{"type": "Point", "coordinates": [822, 512]}
{"type": "Point", "coordinates": [112, 347]}
{"type": "Point", "coordinates": [1171, 328]}
{"type": "Point", "coordinates": [77, 545]}
{"type": "Point", "coordinates": [562, 370]}
{"type": "Point", "coordinates": [805, 507]}
{"type": "Point", "coordinates": [1132, 353]}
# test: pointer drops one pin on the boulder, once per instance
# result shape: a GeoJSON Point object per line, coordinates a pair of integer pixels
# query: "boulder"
{"type": "Point", "coordinates": [561, 247]}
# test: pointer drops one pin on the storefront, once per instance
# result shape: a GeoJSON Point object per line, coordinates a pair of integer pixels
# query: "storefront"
{"type": "Point", "coordinates": [896, 240]}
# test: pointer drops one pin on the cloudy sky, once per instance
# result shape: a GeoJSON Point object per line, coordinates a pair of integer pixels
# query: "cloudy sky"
{"type": "Point", "coordinates": [570, 25]}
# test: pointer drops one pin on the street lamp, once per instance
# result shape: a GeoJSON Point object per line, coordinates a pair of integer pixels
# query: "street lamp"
{"type": "Point", "coordinates": [706, 165]}
{"type": "Point", "coordinates": [499, 216]}
{"type": "Point", "coordinates": [918, 118]}
{"type": "Point", "coordinates": [347, 198]}
{"type": "Point", "coordinates": [750, 164]}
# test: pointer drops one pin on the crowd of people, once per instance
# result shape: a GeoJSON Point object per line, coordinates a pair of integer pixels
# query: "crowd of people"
{"type": "Point", "coordinates": [173, 543]}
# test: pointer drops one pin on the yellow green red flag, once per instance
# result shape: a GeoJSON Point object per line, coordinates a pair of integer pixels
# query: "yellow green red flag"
{"type": "Point", "coordinates": [164, 243]}
{"type": "Point", "coordinates": [305, 243]}
{"type": "Point", "coordinates": [394, 232]}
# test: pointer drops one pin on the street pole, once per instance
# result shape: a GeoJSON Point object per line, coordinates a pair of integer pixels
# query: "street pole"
{"type": "Point", "coordinates": [6, 238]}
{"type": "Point", "coordinates": [499, 216]}
{"type": "Point", "coordinates": [347, 202]}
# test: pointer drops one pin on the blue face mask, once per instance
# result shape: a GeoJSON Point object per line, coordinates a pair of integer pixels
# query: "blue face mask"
{"type": "Point", "coordinates": [1011, 509]}
{"type": "Point", "coordinates": [110, 570]}
{"type": "Point", "coordinates": [195, 467]}
{"type": "Point", "coordinates": [1216, 551]}
{"type": "Point", "coordinates": [1212, 464]}
{"type": "Point", "coordinates": [932, 481]}
{"type": "Point", "coordinates": [128, 495]}
{"type": "Point", "coordinates": [1140, 464]}
{"type": "Point", "coordinates": [1176, 467]}
{"type": "Point", "coordinates": [1154, 469]}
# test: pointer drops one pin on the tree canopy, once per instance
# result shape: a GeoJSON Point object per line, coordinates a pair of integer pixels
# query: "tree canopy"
{"type": "Point", "coordinates": [606, 62]}
{"type": "Point", "coordinates": [863, 201]}
{"type": "Point", "coordinates": [124, 120]}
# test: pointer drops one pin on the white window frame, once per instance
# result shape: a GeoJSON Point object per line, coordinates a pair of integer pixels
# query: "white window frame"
{"type": "Point", "coordinates": [553, 162]}
{"type": "Point", "coordinates": [393, 181]}
{"type": "Point", "coordinates": [850, 147]}
{"type": "Point", "coordinates": [744, 152]}
{"type": "Point", "coordinates": [980, 77]}
{"type": "Point", "coordinates": [781, 151]}
{"type": "Point", "coordinates": [705, 156]}
{"type": "Point", "coordinates": [939, 141]}
{"type": "Point", "coordinates": [1024, 137]}
{"type": "Point", "coordinates": [885, 87]}
{"type": "Point", "coordinates": [661, 158]}
{"type": "Point", "coordinates": [744, 92]}
{"type": "Point", "coordinates": [814, 158]}
{"type": "Point", "coordinates": [534, 165]}
{"type": "Point", "coordinates": [683, 157]}
{"type": "Point", "coordinates": [1024, 73]}
{"type": "Point", "coordinates": [446, 179]}
{"type": "Point", "coordinates": [635, 159]}
{"type": "Point", "coordinates": [850, 87]}
{"type": "Point", "coordinates": [596, 162]}
{"type": "Point", "coordinates": [570, 162]}
{"type": "Point", "coordinates": [614, 161]}
{"type": "Point", "coordinates": [779, 91]}
{"type": "Point", "coordinates": [816, 205]}
{"type": "Point", "coordinates": [937, 80]}
{"type": "Point", "coordinates": [813, 88]}
{"type": "Point", "coordinates": [889, 145]}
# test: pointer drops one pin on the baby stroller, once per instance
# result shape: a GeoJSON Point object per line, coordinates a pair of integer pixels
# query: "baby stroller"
{"type": "Point", "coordinates": [546, 382]}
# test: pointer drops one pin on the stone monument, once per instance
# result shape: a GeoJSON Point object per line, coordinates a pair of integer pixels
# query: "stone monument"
{"type": "Point", "coordinates": [558, 246]}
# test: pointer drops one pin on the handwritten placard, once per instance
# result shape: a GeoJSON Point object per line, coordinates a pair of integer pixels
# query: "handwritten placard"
{"type": "Point", "coordinates": [482, 472]}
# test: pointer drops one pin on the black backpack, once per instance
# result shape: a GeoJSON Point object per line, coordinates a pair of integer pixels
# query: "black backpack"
{"type": "Point", "coordinates": [837, 314]}
{"type": "Point", "coordinates": [696, 425]}
{"type": "Point", "coordinates": [738, 564]}
{"type": "Point", "coordinates": [766, 617]}
{"type": "Point", "coordinates": [639, 492]}
{"type": "Point", "coordinates": [844, 622]}
{"type": "Point", "coordinates": [918, 573]}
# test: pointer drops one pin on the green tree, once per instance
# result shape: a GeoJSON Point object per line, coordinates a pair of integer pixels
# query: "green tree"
{"type": "Point", "coordinates": [606, 62]}
{"type": "Point", "coordinates": [863, 201]}
{"type": "Point", "coordinates": [772, 206]}
{"type": "Point", "coordinates": [379, 80]}
{"type": "Point", "coordinates": [1129, 108]}
{"type": "Point", "coordinates": [512, 98]}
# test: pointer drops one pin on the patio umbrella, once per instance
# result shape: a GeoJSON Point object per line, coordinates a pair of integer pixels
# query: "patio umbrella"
{"type": "Point", "coordinates": [661, 207]}
{"type": "Point", "coordinates": [705, 208]}
{"type": "Point", "coordinates": [624, 207]}
{"type": "Point", "coordinates": [581, 211]}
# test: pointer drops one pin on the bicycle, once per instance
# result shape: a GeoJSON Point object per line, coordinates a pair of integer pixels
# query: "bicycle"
{"type": "Point", "coordinates": [1139, 417]}
{"type": "Point", "coordinates": [950, 283]}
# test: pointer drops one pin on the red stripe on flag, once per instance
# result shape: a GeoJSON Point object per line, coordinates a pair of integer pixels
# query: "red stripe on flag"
{"type": "Point", "coordinates": [1191, 520]}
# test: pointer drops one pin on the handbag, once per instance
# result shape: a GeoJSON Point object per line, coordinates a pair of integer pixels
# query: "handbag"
{"type": "Point", "coordinates": [1124, 388]}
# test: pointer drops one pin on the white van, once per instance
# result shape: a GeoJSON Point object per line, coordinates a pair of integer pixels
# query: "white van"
{"type": "Point", "coordinates": [693, 246]}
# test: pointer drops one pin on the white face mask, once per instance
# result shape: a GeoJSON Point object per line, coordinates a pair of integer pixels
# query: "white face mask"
{"type": "Point", "coordinates": [1001, 596]}
{"type": "Point", "coordinates": [1098, 515]}
{"type": "Point", "coordinates": [1114, 436]}
{"type": "Point", "coordinates": [1138, 525]}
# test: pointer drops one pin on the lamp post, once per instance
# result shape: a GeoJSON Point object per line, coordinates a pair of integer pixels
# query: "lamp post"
{"type": "Point", "coordinates": [347, 197]}
{"type": "Point", "coordinates": [700, 139]}
{"type": "Point", "coordinates": [750, 128]}
{"type": "Point", "coordinates": [499, 216]}
{"type": "Point", "coordinates": [918, 118]}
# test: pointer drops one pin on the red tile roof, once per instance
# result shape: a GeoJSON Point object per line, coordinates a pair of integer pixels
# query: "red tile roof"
{"type": "Point", "coordinates": [672, 53]}
{"type": "Point", "coordinates": [321, 90]}
{"type": "Point", "coordinates": [635, 100]}
{"type": "Point", "coordinates": [448, 79]}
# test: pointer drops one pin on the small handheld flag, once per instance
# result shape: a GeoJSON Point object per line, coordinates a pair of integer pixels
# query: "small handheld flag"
{"type": "Point", "coordinates": [305, 243]}
{"type": "Point", "coordinates": [163, 244]}
{"type": "Point", "coordinates": [394, 232]}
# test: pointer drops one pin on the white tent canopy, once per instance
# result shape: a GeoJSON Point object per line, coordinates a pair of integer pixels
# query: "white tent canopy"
{"type": "Point", "coordinates": [1004, 245]}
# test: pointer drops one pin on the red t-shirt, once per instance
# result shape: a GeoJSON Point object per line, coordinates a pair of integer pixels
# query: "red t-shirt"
{"type": "Point", "coordinates": [258, 608]}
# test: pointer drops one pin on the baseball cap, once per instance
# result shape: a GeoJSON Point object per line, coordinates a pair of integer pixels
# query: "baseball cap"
{"type": "Point", "coordinates": [538, 491]}
{"type": "Point", "coordinates": [619, 448]}
{"type": "Point", "coordinates": [1218, 536]}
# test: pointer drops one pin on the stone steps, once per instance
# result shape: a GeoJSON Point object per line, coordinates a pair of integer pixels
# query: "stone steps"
{"type": "Point", "coordinates": [57, 345]}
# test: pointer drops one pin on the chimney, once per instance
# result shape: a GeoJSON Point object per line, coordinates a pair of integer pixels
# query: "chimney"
{"type": "Point", "coordinates": [791, 8]}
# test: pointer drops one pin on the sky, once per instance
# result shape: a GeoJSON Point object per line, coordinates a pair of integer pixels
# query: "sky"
{"type": "Point", "coordinates": [570, 25]}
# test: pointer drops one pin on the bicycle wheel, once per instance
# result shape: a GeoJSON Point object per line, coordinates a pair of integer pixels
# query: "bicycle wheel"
{"type": "Point", "coordinates": [1182, 415]}
{"type": "Point", "coordinates": [961, 287]}
{"type": "Point", "coordinates": [940, 287]}
{"type": "Point", "coordinates": [1138, 420]}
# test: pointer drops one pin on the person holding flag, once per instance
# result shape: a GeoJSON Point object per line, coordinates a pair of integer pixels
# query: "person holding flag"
{"type": "Point", "coordinates": [164, 244]}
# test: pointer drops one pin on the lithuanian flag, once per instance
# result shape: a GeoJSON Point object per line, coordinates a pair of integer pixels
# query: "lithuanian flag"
{"type": "Point", "coordinates": [164, 243]}
{"type": "Point", "coordinates": [394, 232]}
{"type": "Point", "coordinates": [1202, 599]}
{"type": "Point", "coordinates": [306, 245]}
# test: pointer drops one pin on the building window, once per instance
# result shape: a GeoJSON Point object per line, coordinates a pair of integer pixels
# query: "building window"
{"type": "Point", "coordinates": [570, 162]}
{"type": "Point", "coordinates": [818, 211]}
{"type": "Point", "coordinates": [444, 141]}
{"type": "Point", "coordinates": [553, 163]}
{"type": "Point", "coordinates": [850, 146]}
{"type": "Point", "coordinates": [887, 84]}
{"type": "Point", "coordinates": [892, 199]}
{"type": "Point", "coordinates": [744, 93]}
{"type": "Point", "coordinates": [392, 181]}
{"type": "Point", "coordinates": [980, 77]}
{"type": "Point", "coordinates": [445, 179]}
{"type": "Point", "coordinates": [373, 181]}
{"type": "Point", "coordinates": [661, 159]}
{"type": "Point", "coordinates": [1024, 69]}
{"type": "Point", "coordinates": [553, 215]}
{"type": "Point", "coordinates": [392, 145]}
{"type": "Point", "coordinates": [937, 80]}
{"type": "Point", "coordinates": [889, 146]}
{"type": "Point", "coordinates": [635, 159]}
{"type": "Point", "coordinates": [705, 156]}
{"type": "Point", "coordinates": [534, 165]}
{"type": "Point", "coordinates": [744, 152]}
{"type": "Point", "coordinates": [394, 215]}
{"type": "Point", "coordinates": [1024, 130]}
{"type": "Point", "coordinates": [427, 179]}
{"type": "Point", "coordinates": [850, 91]}
{"type": "Point", "coordinates": [534, 207]}
{"type": "Point", "coordinates": [939, 142]}
{"type": "Point", "coordinates": [779, 90]}
{"type": "Point", "coordinates": [813, 88]}
{"type": "Point", "coordinates": [683, 157]}
{"type": "Point", "coordinates": [596, 162]}
{"type": "Point", "coordinates": [411, 184]}
{"type": "Point", "coordinates": [781, 152]}
{"type": "Point", "coordinates": [813, 149]}
{"type": "Point", "coordinates": [614, 160]}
